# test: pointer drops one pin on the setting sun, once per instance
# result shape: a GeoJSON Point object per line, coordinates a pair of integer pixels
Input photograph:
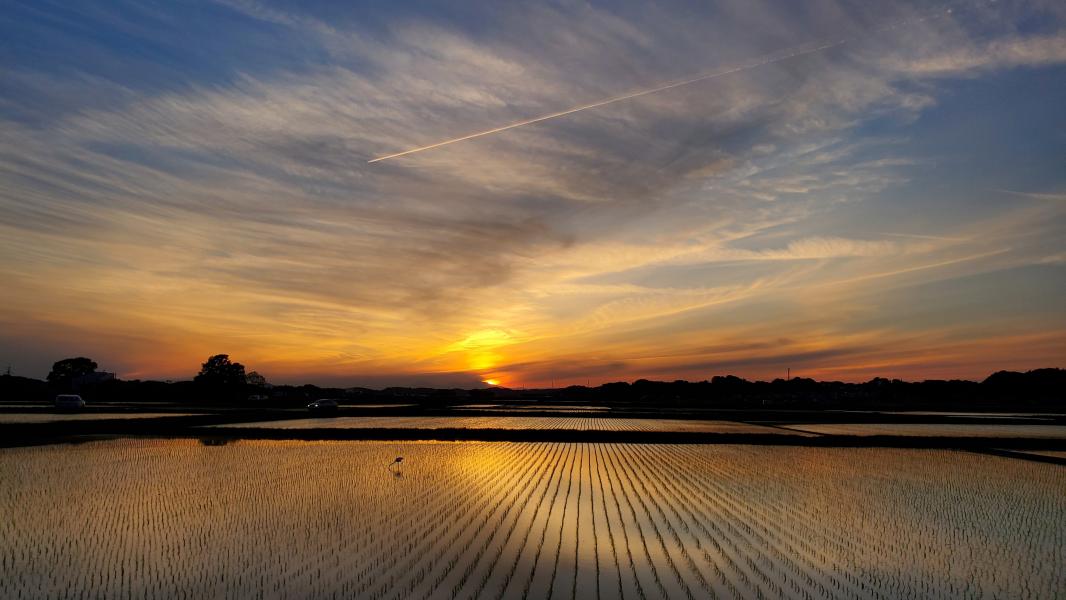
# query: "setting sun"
{"type": "Point", "coordinates": [694, 298]}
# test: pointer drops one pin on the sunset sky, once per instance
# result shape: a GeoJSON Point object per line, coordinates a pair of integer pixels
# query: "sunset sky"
{"type": "Point", "coordinates": [179, 179]}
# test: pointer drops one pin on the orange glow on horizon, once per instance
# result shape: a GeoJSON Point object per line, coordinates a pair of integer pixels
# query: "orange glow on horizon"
{"type": "Point", "coordinates": [288, 220]}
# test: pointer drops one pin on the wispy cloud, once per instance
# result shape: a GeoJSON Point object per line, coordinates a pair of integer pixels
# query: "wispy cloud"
{"type": "Point", "coordinates": [1037, 195]}
{"type": "Point", "coordinates": [230, 205]}
{"type": "Point", "coordinates": [1031, 51]}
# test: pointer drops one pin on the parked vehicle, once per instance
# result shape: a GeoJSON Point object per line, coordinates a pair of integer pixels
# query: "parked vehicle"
{"type": "Point", "coordinates": [325, 406]}
{"type": "Point", "coordinates": [69, 401]}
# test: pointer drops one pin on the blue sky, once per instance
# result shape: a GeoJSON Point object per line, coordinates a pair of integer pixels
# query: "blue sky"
{"type": "Point", "coordinates": [181, 179]}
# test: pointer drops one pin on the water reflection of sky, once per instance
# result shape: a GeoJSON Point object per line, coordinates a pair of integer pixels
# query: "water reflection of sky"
{"type": "Point", "coordinates": [179, 518]}
{"type": "Point", "coordinates": [512, 422]}
{"type": "Point", "coordinates": [935, 429]}
{"type": "Point", "coordinates": [50, 417]}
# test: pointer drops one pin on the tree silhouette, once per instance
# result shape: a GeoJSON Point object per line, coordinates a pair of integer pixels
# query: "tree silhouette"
{"type": "Point", "coordinates": [219, 371]}
{"type": "Point", "coordinates": [64, 371]}
{"type": "Point", "coordinates": [254, 378]}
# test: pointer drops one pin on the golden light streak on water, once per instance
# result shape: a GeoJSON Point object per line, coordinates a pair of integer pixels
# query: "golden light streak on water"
{"type": "Point", "coordinates": [177, 518]}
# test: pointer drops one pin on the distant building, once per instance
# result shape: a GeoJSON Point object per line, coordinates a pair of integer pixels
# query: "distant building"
{"type": "Point", "coordinates": [94, 378]}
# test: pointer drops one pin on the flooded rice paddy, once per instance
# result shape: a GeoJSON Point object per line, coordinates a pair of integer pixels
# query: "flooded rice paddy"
{"type": "Point", "coordinates": [42, 417]}
{"type": "Point", "coordinates": [516, 422]}
{"type": "Point", "coordinates": [1059, 454]}
{"type": "Point", "coordinates": [183, 519]}
{"type": "Point", "coordinates": [935, 429]}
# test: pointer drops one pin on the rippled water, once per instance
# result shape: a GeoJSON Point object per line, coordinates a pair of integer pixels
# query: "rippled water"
{"type": "Point", "coordinates": [184, 519]}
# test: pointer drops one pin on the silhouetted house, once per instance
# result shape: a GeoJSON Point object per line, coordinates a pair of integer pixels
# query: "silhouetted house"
{"type": "Point", "coordinates": [91, 379]}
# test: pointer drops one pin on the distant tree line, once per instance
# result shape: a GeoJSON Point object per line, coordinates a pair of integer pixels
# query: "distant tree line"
{"type": "Point", "coordinates": [223, 381]}
{"type": "Point", "coordinates": [219, 380]}
{"type": "Point", "coordinates": [1037, 390]}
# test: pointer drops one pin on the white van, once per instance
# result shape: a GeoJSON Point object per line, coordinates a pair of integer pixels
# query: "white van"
{"type": "Point", "coordinates": [69, 401]}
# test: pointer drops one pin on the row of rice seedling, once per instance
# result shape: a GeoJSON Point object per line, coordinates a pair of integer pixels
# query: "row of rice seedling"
{"type": "Point", "coordinates": [722, 518]}
{"type": "Point", "coordinates": [422, 537]}
{"type": "Point", "coordinates": [176, 519]}
{"type": "Point", "coordinates": [486, 549]}
{"type": "Point", "coordinates": [924, 504]}
{"type": "Point", "coordinates": [468, 533]}
{"type": "Point", "coordinates": [513, 554]}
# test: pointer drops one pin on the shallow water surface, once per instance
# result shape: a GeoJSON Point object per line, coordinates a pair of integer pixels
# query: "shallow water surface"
{"type": "Point", "coordinates": [936, 429]}
{"type": "Point", "coordinates": [185, 519]}
{"type": "Point", "coordinates": [50, 417]}
{"type": "Point", "coordinates": [518, 422]}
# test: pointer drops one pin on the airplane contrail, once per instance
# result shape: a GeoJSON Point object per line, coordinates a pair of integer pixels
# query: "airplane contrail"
{"type": "Point", "coordinates": [675, 84]}
{"type": "Point", "coordinates": [637, 94]}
